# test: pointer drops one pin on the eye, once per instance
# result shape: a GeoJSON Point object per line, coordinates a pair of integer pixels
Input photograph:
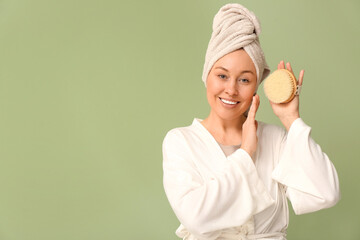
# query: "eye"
{"type": "Point", "coordinates": [222, 76]}
{"type": "Point", "coordinates": [244, 80]}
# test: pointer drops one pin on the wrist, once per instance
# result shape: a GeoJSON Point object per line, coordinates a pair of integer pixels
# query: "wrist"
{"type": "Point", "coordinates": [288, 120]}
{"type": "Point", "coordinates": [248, 151]}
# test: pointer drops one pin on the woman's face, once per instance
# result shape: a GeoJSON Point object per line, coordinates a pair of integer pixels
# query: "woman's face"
{"type": "Point", "coordinates": [232, 78]}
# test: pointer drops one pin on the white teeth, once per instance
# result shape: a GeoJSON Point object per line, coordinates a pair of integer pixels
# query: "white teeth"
{"type": "Point", "coordinates": [228, 102]}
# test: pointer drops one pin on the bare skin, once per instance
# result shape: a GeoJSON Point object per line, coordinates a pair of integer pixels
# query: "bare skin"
{"type": "Point", "coordinates": [233, 77]}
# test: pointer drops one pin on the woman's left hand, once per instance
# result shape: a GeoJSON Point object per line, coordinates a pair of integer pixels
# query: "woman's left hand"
{"type": "Point", "coordinates": [288, 112]}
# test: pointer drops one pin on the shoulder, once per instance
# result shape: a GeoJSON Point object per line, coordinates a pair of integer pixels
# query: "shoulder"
{"type": "Point", "coordinates": [271, 131]}
{"type": "Point", "coordinates": [271, 138]}
{"type": "Point", "coordinates": [177, 133]}
{"type": "Point", "coordinates": [178, 146]}
{"type": "Point", "coordinates": [180, 136]}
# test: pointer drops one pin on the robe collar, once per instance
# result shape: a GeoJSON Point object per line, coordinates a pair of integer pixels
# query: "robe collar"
{"type": "Point", "coordinates": [212, 143]}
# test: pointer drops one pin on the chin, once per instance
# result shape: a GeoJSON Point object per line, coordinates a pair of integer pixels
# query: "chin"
{"type": "Point", "coordinates": [231, 116]}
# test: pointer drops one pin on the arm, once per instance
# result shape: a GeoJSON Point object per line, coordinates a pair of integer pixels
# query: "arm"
{"type": "Point", "coordinates": [311, 178]}
{"type": "Point", "coordinates": [205, 205]}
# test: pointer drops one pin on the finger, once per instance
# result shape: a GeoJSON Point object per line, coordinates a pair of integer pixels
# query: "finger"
{"type": "Point", "coordinates": [301, 77]}
{"type": "Point", "coordinates": [258, 102]}
{"type": "Point", "coordinates": [282, 64]}
{"type": "Point", "coordinates": [253, 108]}
{"type": "Point", "coordinates": [257, 97]}
{"type": "Point", "coordinates": [288, 67]}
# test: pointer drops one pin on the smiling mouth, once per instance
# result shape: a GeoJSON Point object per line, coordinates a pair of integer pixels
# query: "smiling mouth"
{"type": "Point", "coordinates": [228, 102]}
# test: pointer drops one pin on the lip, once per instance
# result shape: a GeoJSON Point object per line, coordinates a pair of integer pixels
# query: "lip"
{"type": "Point", "coordinates": [229, 106]}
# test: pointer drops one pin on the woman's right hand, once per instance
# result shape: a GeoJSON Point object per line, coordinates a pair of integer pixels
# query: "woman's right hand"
{"type": "Point", "coordinates": [249, 137]}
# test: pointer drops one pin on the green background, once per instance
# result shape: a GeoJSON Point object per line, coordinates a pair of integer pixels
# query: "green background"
{"type": "Point", "coordinates": [88, 90]}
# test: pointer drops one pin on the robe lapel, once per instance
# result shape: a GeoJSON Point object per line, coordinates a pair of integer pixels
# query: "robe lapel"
{"type": "Point", "coordinates": [210, 141]}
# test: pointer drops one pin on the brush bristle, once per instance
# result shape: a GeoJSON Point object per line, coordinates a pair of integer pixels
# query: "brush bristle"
{"type": "Point", "coordinates": [279, 87]}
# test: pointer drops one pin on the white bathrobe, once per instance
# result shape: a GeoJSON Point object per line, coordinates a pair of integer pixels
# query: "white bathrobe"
{"type": "Point", "coordinates": [219, 197]}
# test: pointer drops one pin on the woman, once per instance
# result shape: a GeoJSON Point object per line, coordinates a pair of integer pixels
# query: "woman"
{"type": "Point", "coordinates": [228, 176]}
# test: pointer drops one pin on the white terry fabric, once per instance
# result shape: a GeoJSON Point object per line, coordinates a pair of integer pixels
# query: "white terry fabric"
{"type": "Point", "coordinates": [235, 27]}
{"type": "Point", "coordinates": [212, 194]}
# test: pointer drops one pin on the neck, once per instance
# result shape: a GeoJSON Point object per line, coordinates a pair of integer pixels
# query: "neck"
{"type": "Point", "coordinates": [225, 131]}
{"type": "Point", "coordinates": [222, 125]}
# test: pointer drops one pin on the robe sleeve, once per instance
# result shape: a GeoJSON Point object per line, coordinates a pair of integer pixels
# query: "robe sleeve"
{"type": "Point", "coordinates": [310, 177]}
{"type": "Point", "coordinates": [204, 205]}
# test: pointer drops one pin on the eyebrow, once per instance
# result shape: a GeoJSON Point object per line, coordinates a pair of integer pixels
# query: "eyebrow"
{"type": "Point", "coordinates": [245, 71]}
{"type": "Point", "coordinates": [222, 68]}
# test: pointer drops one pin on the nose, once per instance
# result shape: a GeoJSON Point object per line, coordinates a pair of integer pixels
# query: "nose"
{"type": "Point", "coordinates": [231, 88]}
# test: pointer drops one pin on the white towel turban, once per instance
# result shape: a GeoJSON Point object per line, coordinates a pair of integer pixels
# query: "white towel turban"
{"type": "Point", "coordinates": [235, 27]}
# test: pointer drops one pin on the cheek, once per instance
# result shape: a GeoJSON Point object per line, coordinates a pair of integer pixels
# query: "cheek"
{"type": "Point", "coordinates": [211, 95]}
{"type": "Point", "coordinates": [247, 93]}
{"type": "Point", "coordinates": [214, 88]}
